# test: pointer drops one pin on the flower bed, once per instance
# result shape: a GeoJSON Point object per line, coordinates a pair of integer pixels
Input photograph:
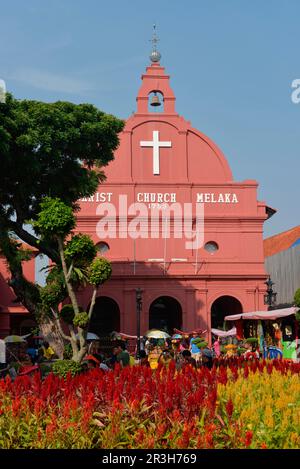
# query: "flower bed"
{"type": "Point", "coordinates": [240, 406]}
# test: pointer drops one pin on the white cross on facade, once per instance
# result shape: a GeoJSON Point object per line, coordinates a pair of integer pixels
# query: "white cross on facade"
{"type": "Point", "coordinates": [156, 144]}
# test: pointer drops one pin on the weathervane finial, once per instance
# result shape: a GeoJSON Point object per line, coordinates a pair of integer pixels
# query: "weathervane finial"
{"type": "Point", "coordinates": [155, 56]}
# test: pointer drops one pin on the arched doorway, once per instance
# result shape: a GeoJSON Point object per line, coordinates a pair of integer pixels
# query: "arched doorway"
{"type": "Point", "coordinates": [224, 306]}
{"type": "Point", "coordinates": [165, 313]}
{"type": "Point", "coordinates": [105, 317]}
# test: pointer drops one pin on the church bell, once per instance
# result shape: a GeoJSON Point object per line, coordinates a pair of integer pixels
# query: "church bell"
{"type": "Point", "coordinates": [155, 100]}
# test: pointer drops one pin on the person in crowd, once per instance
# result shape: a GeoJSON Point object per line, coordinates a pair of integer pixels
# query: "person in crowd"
{"type": "Point", "coordinates": [46, 352]}
{"type": "Point", "coordinates": [147, 345]}
{"type": "Point", "coordinates": [187, 359]}
{"type": "Point", "coordinates": [165, 357]}
{"type": "Point", "coordinates": [153, 356]}
{"type": "Point", "coordinates": [194, 349]}
{"type": "Point", "coordinates": [277, 335]}
{"type": "Point", "coordinates": [216, 347]}
{"type": "Point", "coordinates": [23, 357]}
{"type": "Point", "coordinates": [143, 359]}
{"type": "Point", "coordinates": [122, 355]}
{"type": "Point", "coordinates": [92, 362]}
{"type": "Point", "coordinates": [33, 352]}
{"type": "Point", "coordinates": [251, 352]}
{"type": "Point", "coordinates": [100, 359]}
{"type": "Point", "coordinates": [112, 360]}
{"type": "Point", "coordinates": [207, 357]}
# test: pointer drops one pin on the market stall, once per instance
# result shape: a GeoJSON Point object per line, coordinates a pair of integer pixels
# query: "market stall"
{"type": "Point", "coordinates": [278, 329]}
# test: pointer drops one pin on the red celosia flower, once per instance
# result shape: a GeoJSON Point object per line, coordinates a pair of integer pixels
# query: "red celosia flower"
{"type": "Point", "coordinates": [150, 442]}
{"type": "Point", "coordinates": [248, 438]}
{"type": "Point", "coordinates": [229, 408]}
{"type": "Point", "coordinates": [246, 371]}
{"type": "Point", "coordinates": [209, 442]}
{"type": "Point", "coordinates": [139, 437]}
{"type": "Point", "coordinates": [183, 442]}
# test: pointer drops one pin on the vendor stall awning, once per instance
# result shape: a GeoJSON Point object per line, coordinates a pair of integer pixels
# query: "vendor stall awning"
{"type": "Point", "coordinates": [274, 314]}
{"type": "Point", "coordinates": [221, 333]}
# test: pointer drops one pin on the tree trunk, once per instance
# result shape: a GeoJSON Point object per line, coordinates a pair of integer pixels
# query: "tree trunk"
{"type": "Point", "coordinates": [71, 293]}
{"type": "Point", "coordinates": [51, 333]}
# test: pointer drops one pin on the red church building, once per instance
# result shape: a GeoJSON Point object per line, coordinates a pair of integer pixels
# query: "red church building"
{"type": "Point", "coordinates": [173, 222]}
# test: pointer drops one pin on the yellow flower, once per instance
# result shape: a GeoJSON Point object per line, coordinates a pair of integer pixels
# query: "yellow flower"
{"type": "Point", "coordinates": [269, 420]}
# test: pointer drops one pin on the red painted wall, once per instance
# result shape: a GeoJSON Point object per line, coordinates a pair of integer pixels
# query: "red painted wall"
{"type": "Point", "coordinates": [192, 165]}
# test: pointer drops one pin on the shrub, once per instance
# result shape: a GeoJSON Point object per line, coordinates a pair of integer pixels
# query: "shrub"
{"type": "Point", "coordinates": [52, 294]}
{"type": "Point", "coordinates": [99, 271]}
{"type": "Point", "coordinates": [67, 314]}
{"type": "Point", "coordinates": [68, 352]}
{"type": "Point", "coordinates": [63, 367]}
{"type": "Point", "coordinates": [55, 218]}
{"type": "Point", "coordinates": [80, 249]}
{"type": "Point", "coordinates": [81, 319]}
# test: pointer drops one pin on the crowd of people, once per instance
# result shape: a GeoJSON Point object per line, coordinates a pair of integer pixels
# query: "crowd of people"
{"type": "Point", "coordinates": [153, 352]}
{"type": "Point", "coordinates": [183, 350]}
{"type": "Point", "coordinates": [25, 357]}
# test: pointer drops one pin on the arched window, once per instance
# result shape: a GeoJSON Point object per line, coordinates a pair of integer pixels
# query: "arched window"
{"type": "Point", "coordinates": [102, 247]}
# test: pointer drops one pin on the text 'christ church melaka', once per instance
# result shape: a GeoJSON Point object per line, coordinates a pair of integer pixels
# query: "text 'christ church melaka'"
{"type": "Point", "coordinates": [164, 169]}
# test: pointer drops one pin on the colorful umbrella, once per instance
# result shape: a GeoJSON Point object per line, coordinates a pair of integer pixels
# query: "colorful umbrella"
{"type": "Point", "coordinates": [157, 334]}
{"type": "Point", "coordinates": [176, 336]}
{"type": "Point", "coordinates": [92, 336]}
{"type": "Point", "coordinates": [13, 339]}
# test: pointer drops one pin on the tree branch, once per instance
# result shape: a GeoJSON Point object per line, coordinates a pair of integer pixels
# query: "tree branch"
{"type": "Point", "coordinates": [82, 339]}
{"type": "Point", "coordinates": [66, 337]}
{"type": "Point", "coordinates": [33, 241]}
{"type": "Point", "coordinates": [93, 301]}
{"type": "Point", "coordinates": [70, 272]}
{"type": "Point", "coordinates": [72, 334]}
{"type": "Point", "coordinates": [65, 271]}
{"type": "Point", "coordinates": [26, 291]}
{"type": "Point", "coordinates": [75, 348]}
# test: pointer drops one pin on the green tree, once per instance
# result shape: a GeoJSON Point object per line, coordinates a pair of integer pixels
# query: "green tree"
{"type": "Point", "coordinates": [297, 298]}
{"type": "Point", "coordinates": [78, 267]}
{"type": "Point", "coordinates": [55, 150]}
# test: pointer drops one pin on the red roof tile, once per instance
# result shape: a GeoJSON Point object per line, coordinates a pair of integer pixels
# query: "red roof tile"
{"type": "Point", "coordinates": [281, 241]}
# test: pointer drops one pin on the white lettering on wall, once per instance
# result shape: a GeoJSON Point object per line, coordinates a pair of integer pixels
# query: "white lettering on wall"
{"type": "Point", "coordinates": [98, 197]}
{"type": "Point", "coordinates": [213, 198]}
{"type": "Point", "coordinates": [156, 197]}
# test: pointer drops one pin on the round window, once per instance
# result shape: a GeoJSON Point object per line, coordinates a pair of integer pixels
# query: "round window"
{"type": "Point", "coordinates": [211, 247]}
{"type": "Point", "coordinates": [102, 247]}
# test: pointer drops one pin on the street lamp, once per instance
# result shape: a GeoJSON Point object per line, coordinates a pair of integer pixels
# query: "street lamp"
{"type": "Point", "coordinates": [270, 296]}
{"type": "Point", "coordinates": [138, 297]}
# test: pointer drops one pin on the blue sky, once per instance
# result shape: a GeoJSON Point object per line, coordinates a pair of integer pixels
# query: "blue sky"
{"type": "Point", "coordinates": [231, 63]}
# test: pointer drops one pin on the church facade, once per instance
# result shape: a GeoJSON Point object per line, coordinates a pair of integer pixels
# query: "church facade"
{"type": "Point", "coordinates": [174, 223]}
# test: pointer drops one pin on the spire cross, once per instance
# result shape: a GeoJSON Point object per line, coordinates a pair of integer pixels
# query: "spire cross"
{"type": "Point", "coordinates": [154, 39]}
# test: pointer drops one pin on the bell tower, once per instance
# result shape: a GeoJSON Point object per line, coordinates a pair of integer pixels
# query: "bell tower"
{"type": "Point", "coordinates": [155, 86]}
